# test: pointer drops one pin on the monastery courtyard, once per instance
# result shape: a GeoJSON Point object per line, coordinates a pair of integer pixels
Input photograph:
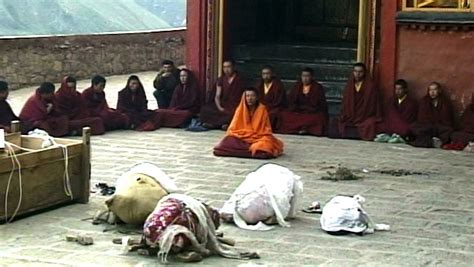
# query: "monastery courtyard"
{"type": "Point", "coordinates": [431, 213]}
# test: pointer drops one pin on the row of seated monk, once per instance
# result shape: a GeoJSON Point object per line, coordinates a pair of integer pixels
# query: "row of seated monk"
{"type": "Point", "coordinates": [304, 111]}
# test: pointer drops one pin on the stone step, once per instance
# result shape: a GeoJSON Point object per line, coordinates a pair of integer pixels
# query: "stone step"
{"type": "Point", "coordinates": [291, 70]}
{"type": "Point", "coordinates": [333, 53]}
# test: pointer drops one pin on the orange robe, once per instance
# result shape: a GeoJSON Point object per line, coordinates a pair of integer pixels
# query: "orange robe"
{"type": "Point", "coordinates": [250, 135]}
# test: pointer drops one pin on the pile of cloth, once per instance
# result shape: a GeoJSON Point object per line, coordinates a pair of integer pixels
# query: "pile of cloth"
{"type": "Point", "coordinates": [186, 227]}
{"type": "Point", "coordinates": [268, 195]}
{"type": "Point", "coordinates": [137, 192]}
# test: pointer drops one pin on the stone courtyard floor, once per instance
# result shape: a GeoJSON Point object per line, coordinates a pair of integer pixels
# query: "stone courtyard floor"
{"type": "Point", "coordinates": [431, 215]}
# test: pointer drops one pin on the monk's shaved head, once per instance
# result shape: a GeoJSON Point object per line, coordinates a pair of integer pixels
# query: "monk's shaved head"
{"type": "Point", "coordinates": [358, 71]}
{"type": "Point", "coordinates": [228, 67]}
{"type": "Point", "coordinates": [434, 90]}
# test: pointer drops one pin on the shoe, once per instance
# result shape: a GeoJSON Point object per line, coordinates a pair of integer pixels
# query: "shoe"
{"type": "Point", "coordinates": [382, 138]}
{"type": "Point", "coordinates": [437, 143]}
{"type": "Point", "coordinates": [396, 139]}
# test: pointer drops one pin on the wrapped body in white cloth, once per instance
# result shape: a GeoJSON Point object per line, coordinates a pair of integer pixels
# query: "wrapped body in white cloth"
{"type": "Point", "coordinates": [270, 193]}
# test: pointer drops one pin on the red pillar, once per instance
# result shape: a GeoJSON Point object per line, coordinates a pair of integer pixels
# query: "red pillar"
{"type": "Point", "coordinates": [388, 45]}
{"type": "Point", "coordinates": [196, 39]}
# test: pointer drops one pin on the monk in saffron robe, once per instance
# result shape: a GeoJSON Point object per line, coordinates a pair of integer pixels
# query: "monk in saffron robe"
{"type": "Point", "coordinates": [308, 111]}
{"type": "Point", "coordinates": [40, 112]}
{"type": "Point", "coordinates": [271, 93]}
{"type": "Point", "coordinates": [361, 107]}
{"type": "Point", "coordinates": [132, 101]}
{"type": "Point", "coordinates": [97, 106]}
{"type": "Point", "coordinates": [165, 82]}
{"type": "Point", "coordinates": [222, 102]}
{"type": "Point", "coordinates": [435, 122]}
{"type": "Point", "coordinates": [6, 113]}
{"type": "Point", "coordinates": [466, 133]}
{"type": "Point", "coordinates": [185, 104]}
{"type": "Point", "coordinates": [70, 103]}
{"type": "Point", "coordinates": [250, 133]}
{"type": "Point", "coordinates": [401, 111]}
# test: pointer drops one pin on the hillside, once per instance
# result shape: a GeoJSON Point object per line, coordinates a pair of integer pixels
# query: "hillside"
{"type": "Point", "coordinates": [44, 17]}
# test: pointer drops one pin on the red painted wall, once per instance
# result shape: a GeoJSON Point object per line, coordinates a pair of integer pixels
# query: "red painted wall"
{"type": "Point", "coordinates": [445, 56]}
{"type": "Point", "coordinates": [196, 39]}
{"type": "Point", "coordinates": [385, 69]}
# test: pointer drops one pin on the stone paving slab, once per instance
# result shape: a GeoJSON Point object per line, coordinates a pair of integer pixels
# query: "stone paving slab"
{"type": "Point", "coordinates": [431, 215]}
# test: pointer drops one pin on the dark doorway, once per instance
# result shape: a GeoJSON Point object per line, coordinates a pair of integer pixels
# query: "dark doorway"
{"type": "Point", "coordinates": [292, 34]}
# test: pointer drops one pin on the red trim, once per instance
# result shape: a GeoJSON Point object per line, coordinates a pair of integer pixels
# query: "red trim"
{"type": "Point", "coordinates": [196, 39]}
{"type": "Point", "coordinates": [388, 45]}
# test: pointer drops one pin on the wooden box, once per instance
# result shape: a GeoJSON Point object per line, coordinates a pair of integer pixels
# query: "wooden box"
{"type": "Point", "coordinates": [43, 181]}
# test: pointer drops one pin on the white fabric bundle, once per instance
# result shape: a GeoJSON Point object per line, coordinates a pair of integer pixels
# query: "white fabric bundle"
{"type": "Point", "coordinates": [271, 190]}
{"type": "Point", "coordinates": [344, 213]}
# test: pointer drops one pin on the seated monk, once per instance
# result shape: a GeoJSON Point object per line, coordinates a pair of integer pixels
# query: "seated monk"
{"type": "Point", "coordinates": [361, 108]}
{"type": "Point", "coordinates": [97, 106]}
{"type": "Point", "coordinates": [6, 113]}
{"type": "Point", "coordinates": [222, 102]}
{"type": "Point", "coordinates": [165, 82]}
{"type": "Point", "coordinates": [271, 93]}
{"type": "Point", "coordinates": [466, 133]}
{"type": "Point", "coordinates": [70, 103]}
{"type": "Point", "coordinates": [185, 103]}
{"type": "Point", "coordinates": [250, 133]}
{"type": "Point", "coordinates": [40, 112]}
{"type": "Point", "coordinates": [401, 111]}
{"type": "Point", "coordinates": [132, 102]}
{"type": "Point", "coordinates": [307, 108]}
{"type": "Point", "coordinates": [435, 121]}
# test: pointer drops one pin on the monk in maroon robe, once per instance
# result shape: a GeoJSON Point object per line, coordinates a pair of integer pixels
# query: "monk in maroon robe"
{"type": "Point", "coordinates": [271, 93]}
{"type": "Point", "coordinates": [97, 106]}
{"type": "Point", "coordinates": [435, 122]}
{"type": "Point", "coordinates": [6, 113]}
{"type": "Point", "coordinates": [70, 103]}
{"type": "Point", "coordinates": [401, 111]}
{"type": "Point", "coordinates": [361, 107]}
{"type": "Point", "coordinates": [222, 102]}
{"type": "Point", "coordinates": [40, 112]}
{"type": "Point", "coordinates": [185, 103]}
{"type": "Point", "coordinates": [308, 111]}
{"type": "Point", "coordinates": [132, 101]}
{"type": "Point", "coordinates": [466, 133]}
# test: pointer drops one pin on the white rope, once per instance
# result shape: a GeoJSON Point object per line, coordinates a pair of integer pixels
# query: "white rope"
{"type": "Point", "coordinates": [15, 160]}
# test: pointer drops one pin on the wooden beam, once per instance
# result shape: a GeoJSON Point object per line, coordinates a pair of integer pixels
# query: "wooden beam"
{"type": "Point", "coordinates": [86, 165]}
{"type": "Point", "coordinates": [362, 33]}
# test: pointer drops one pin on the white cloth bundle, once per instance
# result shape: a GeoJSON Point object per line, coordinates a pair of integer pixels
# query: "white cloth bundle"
{"type": "Point", "coordinates": [344, 213]}
{"type": "Point", "coordinates": [271, 190]}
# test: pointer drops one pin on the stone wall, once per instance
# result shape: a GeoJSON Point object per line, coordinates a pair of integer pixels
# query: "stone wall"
{"type": "Point", "coordinates": [29, 61]}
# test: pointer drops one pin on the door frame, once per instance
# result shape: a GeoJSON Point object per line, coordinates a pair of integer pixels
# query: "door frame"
{"type": "Point", "coordinates": [209, 43]}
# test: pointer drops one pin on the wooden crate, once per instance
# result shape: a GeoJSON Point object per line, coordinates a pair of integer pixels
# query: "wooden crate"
{"type": "Point", "coordinates": [42, 172]}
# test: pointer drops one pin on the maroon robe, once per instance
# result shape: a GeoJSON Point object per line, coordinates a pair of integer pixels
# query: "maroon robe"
{"type": "Point", "coordinates": [70, 103]}
{"type": "Point", "coordinates": [232, 146]}
{"type": "Point", "coordinates": [135, 106]}
{"type": "Point", "coordinates": [360, 111]}
{"type": "Point", "coordinates": [34, 114]}
{"type": "Point", "coordinates": [6, 115]}
{"type": "Point", "coordinates": [466, 134]}
{"type": "Point", "coordinates": [185, 103]}
{"type": "Point", "coordinates": [305, 112]}
{"type": "Point", "coordinates": [230, 98]}
{"type": "Point", "coordinates": [399, 117]}
{"type": "Point", "coordinates": [274, 99]}
{"type": "Point", "coordinates": [433, 121]}
{"type": "Point", "coordinates": [97, 106]}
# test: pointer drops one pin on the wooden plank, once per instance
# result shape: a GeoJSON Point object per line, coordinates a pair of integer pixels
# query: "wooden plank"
{"type": "Point", "coordinates": [86, 165]}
